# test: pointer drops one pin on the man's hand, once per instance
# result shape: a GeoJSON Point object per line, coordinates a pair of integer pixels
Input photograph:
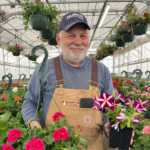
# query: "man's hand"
{"type": "Point", "coordinates": [35, 123]}
{"type": "Point", "coordinates": [107, 128]}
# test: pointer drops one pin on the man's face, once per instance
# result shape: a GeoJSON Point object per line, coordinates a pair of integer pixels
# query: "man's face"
{"type": "Point", "coordinates": [74, 43]}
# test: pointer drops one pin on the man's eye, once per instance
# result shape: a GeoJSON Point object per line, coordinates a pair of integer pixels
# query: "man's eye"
{"type": "Point", "coordinates": [70, 35]}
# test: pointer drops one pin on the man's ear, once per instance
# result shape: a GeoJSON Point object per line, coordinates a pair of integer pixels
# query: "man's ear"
{"type": "Point", "coordinates": [58, 39]}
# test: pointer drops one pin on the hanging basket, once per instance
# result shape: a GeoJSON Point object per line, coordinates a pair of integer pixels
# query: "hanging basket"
{"type": "Point", "coordinates": [127, 37]}
{"type": "Point", "coordinates": [120, 43]}
{"type": "Point", "coordinates": [32, 58]}
{"type": "Point", "coordinates": [120, 139]}
{"type": "Point", "coordinates": [16, 53]}
{"type": "Point", "coordinates": [39, 22]}
{"type": "Point", "coordinates": [48, 34]}
{"type": "Point", "coordinates": [52, 41]}
{"type": "Point", "coordinates": [111, 50]}
{"type": "Point", "coordinates": [140, 29]}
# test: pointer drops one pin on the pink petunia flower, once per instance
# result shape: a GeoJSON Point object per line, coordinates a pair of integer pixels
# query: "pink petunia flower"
{"type": "Point", "coordinates": [145, 86]}
{"type": "Point", "coordinates": [138, 91]}
{"type": "Point", "coordinates": [148, 89]}
{"type": "Point", "coordinates": [146, 130]}
{"type": "Point", "coordinates": [105, 100]}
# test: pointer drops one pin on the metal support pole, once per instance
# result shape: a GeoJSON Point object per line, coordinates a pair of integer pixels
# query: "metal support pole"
{"type": "Point", "coordinates": [113, 65]}
{"type": "Point", "coordinates": [141, 57]}
{"type": "Point", "coordinates": [29, 69]}
{"type": "Point", "coordinates": [119, 65]}
{"type": "Point", "coordinates": [128, 62]}
{"type": "Point", "coordinates": [3, 61]}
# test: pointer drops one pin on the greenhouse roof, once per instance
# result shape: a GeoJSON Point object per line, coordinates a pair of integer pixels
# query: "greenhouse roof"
{"type": "Point", "coordinates": [13, 31]}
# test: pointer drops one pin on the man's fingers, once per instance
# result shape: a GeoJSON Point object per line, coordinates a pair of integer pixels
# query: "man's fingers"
{"type": "Point", "coordinates": [132, 134]}
{"type": "Point", "coordinates": [131, 141]}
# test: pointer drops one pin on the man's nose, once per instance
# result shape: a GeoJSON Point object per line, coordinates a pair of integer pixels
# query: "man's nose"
{"type": "Point", "coordinates": [78, 41]}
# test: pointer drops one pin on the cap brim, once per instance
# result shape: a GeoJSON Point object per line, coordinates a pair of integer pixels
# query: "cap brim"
{"type": "Point", "coordinates": [70, 25]}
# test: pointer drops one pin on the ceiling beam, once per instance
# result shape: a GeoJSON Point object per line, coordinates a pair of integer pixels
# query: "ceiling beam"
{"type": "Point", "coordinates": [81, 1]}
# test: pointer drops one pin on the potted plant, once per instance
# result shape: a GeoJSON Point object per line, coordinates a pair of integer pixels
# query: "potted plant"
{"type": "Point", "coordinates": [38, 13]}
{"type": "Point", "coordinates": [125, 31]}
{"type": "Point", "coordinates": [15, 49]}
{"type": "Point", "coordinates": [58, 135]}
{"type": "Point", "coordinates": [33, 58]}
{"type": "Point", "coordinates": [115, 37]}
{"type": "Point", "coordinates": [108, 49]}
{"type": "Point", "coordinates": [52, 29]}
{"type": "Point", "coordinates": [124, 114]}
{"type": "Point", "coordinates": [139, 22]}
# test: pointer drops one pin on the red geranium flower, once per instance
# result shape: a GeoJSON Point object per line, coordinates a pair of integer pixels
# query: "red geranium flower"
{"type": "Point", "coordinates": [114, 83]}
{"type": "Point", "coordinates": [116, 87]}
{"type": "Point", "coordinates": [145, 15]}
{"type": "Point", "coordinates": [4, 96]}
{"type": "Point", "coordinates": [17, 99]}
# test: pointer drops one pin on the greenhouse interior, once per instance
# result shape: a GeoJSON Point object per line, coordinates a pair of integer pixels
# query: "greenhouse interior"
{"type": "Point", "coordinates": [74, 75]}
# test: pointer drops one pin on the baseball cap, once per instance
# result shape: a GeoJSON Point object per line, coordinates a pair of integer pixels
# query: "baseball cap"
{"type": "Point", "coordinates": [71, 19]}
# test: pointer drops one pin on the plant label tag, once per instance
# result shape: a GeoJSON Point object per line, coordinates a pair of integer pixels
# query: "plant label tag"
{"type": "Point", "coordinates": [87, 120]}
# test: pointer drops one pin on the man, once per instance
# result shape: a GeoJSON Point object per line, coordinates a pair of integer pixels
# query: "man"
{"type": "Point", "coordinates": [74, 73]}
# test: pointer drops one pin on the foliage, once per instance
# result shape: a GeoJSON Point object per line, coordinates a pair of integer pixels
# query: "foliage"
{"type": "Point", "coordinates": [32, 7]}
{"type": "Point", "coordinates": [139, 18]}
{"type": "Point", "coordinates": [28, 56]}
{"type": "Point", "coordinates": [15, 48]}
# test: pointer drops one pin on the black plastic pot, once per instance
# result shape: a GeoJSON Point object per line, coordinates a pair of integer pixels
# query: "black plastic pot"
{"type": "Point", "coordinates": [127, 37]}
{"type": "Point", "coordinates": [48, 34]}
{"type": "Point", "coordinates": [52, 41]}
{"type": "Point", "coordinates": [120, 43]}
{"type": "Point", "coordinates": [16, 54]}
{"type": "Point", "coordinates": [39, 22]}
{"type": "Point", "coordinates": [120, 139]}
{"type": "Point", "coordinates": [140, 29]}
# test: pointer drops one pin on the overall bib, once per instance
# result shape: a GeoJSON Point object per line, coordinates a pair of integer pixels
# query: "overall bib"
{"type": "Point", "coordinates": [68, 100]}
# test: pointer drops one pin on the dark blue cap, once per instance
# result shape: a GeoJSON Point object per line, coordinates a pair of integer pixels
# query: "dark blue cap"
{"type": "Point", "coordinates": [71, 19]}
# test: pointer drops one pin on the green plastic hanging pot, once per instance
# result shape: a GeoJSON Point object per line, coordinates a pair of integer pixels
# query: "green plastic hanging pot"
{"type": "Point", "coordinates": [52, 41]}
{"type": "Point", "coordinates": [120, 43]}
{"type": "Point", "coordinates": [32, 58]}
{"type": "Point", "coordinates": [127, 37]}
{"type": "Point", "coordinates": [39, 22]}
{"type": "Point", "coordinates": [48, 34]}
{"type": "Point", "coordinates": [140, 29]}
{"type": "Point", "coordinates": [16, 53]}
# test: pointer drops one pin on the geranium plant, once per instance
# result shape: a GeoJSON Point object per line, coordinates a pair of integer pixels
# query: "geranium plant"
{"type": "Point", "coordinates": [32, 7]}
{"type": "Point", "coordinates": [57, 136]}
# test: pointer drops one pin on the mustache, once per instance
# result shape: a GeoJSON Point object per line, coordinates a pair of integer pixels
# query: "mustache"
{"type": "Point", "coordinates": [78, 47]}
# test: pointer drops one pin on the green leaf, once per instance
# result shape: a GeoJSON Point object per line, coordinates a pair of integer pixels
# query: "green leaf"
{"type": "Point", "coordinates": [3, 104]}
{"type": "Point", "coordinates": [48, 139]}
{"type": "Point", "coordinates": [58, 146]}
{"type": "Point", "coordinates": [122, 125]}
{"type": "Point", "coordinates": [18, 148]}
{"type": "Point", "coordinates": [74, 147]}
{"type": "Point", "coordinates": [82, 141]}
{"type": "Point", "coordinates": [67, 144]}
{"type": "Point", "coordinates": [5, 117]}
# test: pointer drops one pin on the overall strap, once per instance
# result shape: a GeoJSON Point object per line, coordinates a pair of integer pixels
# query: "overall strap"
{"type": "Point", "coordinates": [94, 73]}
{"type": "Point", "coordinates": [59, 76]}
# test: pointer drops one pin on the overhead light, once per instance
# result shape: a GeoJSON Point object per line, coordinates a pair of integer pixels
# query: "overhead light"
{"type": "Point", "coordinates": [104, 15]}
{"type": "Point", "coordinates": [91, 44]}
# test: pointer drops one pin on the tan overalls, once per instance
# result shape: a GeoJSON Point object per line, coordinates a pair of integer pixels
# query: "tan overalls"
{"type": "Point", "coordinates": [68, 101]}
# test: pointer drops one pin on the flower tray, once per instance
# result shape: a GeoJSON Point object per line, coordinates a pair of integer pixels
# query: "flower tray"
{"type": "Point", "coordinates": [32, 58]}
{"type": "Point", "coordinates": [47, 34]}
{"type": "Point", "coordinates": [120, 43]}
{"type": "Point", "coordinates": [52, 41]}
{"type": "Point", "coordinates": [120, 139]}
{"type": "Point", "coordinates": [140, 29]}
{"type": "Point", "coordinates": [16, 54]}
{"type": "Point", "coordinates": [39, 22]}
{"type": "Point", "coordinates": [127, 37]}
